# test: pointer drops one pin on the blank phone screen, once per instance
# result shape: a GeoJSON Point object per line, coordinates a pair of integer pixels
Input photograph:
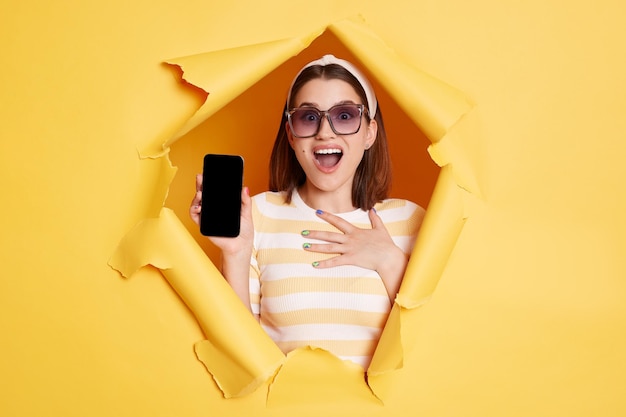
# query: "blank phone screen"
{"type": "Point", "coordinates": [222, 178]}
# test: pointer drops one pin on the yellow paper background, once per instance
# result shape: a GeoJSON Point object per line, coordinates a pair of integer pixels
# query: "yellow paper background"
{"type": "Point", "coordinates": [528, 316]}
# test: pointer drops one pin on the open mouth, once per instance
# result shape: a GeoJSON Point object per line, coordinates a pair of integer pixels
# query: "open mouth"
{"type": "Point", "coordinates": [328, 158]}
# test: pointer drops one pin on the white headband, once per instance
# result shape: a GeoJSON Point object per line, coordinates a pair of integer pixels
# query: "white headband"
{"type": "Point", "coordinates": [331, 59]}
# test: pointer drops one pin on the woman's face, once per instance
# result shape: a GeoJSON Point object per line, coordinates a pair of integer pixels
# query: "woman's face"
{"type": "Point", "coordinates": [330, 160]}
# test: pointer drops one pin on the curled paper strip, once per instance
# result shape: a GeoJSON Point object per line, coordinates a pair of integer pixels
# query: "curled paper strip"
{"type": "Point", "coordinates": [166, 244]}
{"type": "Point", "coordinates": [230, 72]}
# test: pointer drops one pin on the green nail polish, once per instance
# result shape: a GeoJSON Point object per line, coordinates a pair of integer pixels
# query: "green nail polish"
{"type": "Point", "coordinates": [305, 232]}
{"type": "Point", "coordinates": [315, 264]}
{"type": "Point", "coordinates": [306, 246]}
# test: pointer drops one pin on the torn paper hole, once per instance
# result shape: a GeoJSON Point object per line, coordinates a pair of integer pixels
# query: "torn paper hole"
{"type": "Point", "coordinates": [230, 330]}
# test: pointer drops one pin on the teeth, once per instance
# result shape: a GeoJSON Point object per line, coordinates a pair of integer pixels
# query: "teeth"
{"type": "Point", "coordinates": [327, 151]}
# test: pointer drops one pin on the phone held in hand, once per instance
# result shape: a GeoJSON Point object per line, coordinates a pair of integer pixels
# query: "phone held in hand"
{"type": "Point", "coordinates": [222, 181]}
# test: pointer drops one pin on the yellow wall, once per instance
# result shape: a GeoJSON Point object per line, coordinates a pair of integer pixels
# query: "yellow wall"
{"type": "Point", "coordinates": [528, 317]}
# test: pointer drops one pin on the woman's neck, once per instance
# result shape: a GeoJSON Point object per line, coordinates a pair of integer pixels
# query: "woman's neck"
{"type": "Point", "coordinates": [337, 201]}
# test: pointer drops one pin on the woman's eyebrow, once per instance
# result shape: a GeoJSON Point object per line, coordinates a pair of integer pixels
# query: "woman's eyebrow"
{"type": "Point", "coordinates": [309, 104]}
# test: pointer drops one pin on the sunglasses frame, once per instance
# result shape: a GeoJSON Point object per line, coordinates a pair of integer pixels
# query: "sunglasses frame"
{"type": "Point", "coordinates": [326, 114]}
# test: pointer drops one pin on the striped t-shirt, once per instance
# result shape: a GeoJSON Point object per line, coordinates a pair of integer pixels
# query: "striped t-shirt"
{"type": "Point", "coordinates": [341, 309]}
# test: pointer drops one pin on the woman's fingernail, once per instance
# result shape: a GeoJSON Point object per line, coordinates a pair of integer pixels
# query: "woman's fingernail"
{"type": "Point", "coordinates": [315, 264]}
{"type": "Point", "coordinates": [306, 246]}
{"type": "Point", "coordinates": [305, 232]}
{"type": "Point", "coordinates": [319, 212]}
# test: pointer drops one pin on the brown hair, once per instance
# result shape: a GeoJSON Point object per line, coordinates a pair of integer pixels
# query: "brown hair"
{"type": "Point", "coordinates": [372, 179]}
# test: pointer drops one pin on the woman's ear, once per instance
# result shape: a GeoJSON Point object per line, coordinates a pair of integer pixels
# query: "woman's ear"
{"type": "Point", "coordinates": [372, 133]}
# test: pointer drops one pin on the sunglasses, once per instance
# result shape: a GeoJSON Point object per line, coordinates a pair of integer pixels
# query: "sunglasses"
{"type": "Point", "coordinates": [344, 119]}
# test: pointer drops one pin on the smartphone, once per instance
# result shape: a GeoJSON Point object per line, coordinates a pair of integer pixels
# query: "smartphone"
{"type": "Point", "coordinates": [222, 179]}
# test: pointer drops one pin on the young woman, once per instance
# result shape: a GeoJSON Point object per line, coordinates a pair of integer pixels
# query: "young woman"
{"type": "Point", "coordinates": [320, 258]}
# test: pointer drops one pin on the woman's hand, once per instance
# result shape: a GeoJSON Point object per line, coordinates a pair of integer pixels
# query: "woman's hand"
{"type": "Point", "coordinates": [367, 248]}
{"type": "Point", "coordinates": [228, 245]}
{"type": "Point", "coordinates": [236, 251]}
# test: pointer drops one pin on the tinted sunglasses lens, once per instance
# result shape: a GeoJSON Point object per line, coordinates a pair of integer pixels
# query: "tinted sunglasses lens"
{"type": "Point", "coordinates": [305, 122]}
{"type": "Point", "coordinates": [346, 119]}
